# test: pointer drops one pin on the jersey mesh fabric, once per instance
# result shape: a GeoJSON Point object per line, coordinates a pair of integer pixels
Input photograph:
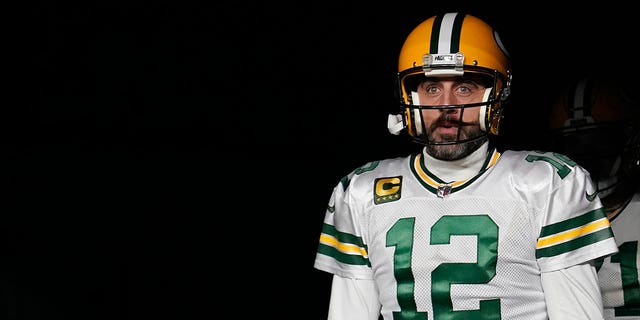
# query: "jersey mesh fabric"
{"type": "Point", "coordinates": [516, 277]}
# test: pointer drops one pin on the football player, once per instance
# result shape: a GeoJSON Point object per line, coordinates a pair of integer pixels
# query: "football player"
{"type": "Point", "coordinates": [461, 230]}
{"type": "Point", "coordinates": [595, 123]}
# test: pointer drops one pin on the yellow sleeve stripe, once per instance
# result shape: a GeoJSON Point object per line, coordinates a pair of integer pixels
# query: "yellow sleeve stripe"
{"type": "Point", "coordinates": [573, 233]}
{"type": "Point", "coordinates": [343, 247]}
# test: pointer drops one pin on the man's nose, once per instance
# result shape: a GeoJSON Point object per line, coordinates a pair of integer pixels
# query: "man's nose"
{"type": "Point", "coordinates": [450, 100]}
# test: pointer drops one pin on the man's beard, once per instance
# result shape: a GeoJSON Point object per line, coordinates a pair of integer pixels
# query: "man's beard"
{"type": "Point", "coordinates": [457, 150]}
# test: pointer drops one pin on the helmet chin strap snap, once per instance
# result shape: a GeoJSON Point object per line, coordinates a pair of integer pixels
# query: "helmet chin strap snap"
{"type": "Point", "coordinates": [482, 116]}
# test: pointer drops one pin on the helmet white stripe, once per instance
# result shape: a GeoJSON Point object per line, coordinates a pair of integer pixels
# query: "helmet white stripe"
{"type": "Point", "coordinates": [446, 33]}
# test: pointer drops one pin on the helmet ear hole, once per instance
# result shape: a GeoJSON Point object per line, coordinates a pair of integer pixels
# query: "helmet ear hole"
{"type": "Point", "coordinates": [504, 93]}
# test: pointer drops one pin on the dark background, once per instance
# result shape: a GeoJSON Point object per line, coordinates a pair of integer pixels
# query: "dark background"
{"type": "Point", "coordinates": [174, 159]}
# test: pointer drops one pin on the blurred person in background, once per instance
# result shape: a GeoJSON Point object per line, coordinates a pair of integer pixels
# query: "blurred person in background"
{"type": "Point", "coordinates": [595, 122]}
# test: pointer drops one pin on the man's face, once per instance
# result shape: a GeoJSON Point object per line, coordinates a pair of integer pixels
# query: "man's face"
{"type": "Point", "coordinates": [451, 124]}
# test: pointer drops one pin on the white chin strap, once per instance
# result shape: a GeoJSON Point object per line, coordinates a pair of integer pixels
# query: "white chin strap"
{"type": "Point", "coordinates": [395, 123]}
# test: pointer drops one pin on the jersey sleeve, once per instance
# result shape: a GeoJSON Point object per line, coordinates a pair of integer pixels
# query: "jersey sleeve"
{"type": "Point", "coordinates": [572, 293]}
{"type": "Point", "coordinates": [575, 228]}
{"type": "Point", "coordinates": [341, 249]}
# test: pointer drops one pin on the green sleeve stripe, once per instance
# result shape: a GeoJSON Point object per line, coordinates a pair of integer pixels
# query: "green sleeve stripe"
{"type": "Point", "coordinates": [627, 311]}
{"type": "Point", "coordinates": [572, 223]}
{"type": "Point", "coordinates": [342, 237]}
{"type": "Point", "coordinates": [574, 244]}
{"type": "Point", "coordinates": [342, 257]}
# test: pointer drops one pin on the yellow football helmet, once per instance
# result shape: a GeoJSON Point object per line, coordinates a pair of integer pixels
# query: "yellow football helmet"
{"type": "Point", "coordinates": [595, 123]}
{"type": "Point", "coordinates": [452, 44]}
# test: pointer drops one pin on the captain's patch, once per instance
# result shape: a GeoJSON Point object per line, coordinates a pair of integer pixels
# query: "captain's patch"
{"type": "Point", "coordinates": [387, 189]}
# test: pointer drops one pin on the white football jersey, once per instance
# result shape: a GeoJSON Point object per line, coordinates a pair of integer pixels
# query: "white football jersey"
{"type": "Point", "coordinates": [618, 274]}
{"type": "Point", "coordinates": [471, 249]}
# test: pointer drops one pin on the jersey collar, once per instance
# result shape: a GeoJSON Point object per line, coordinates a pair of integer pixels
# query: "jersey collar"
{"type": "Point", "coordinates": [443, 188]}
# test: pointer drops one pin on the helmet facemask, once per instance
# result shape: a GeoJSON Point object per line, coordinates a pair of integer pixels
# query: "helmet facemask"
{"type": "Point", "coordinates": [490, 112]}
